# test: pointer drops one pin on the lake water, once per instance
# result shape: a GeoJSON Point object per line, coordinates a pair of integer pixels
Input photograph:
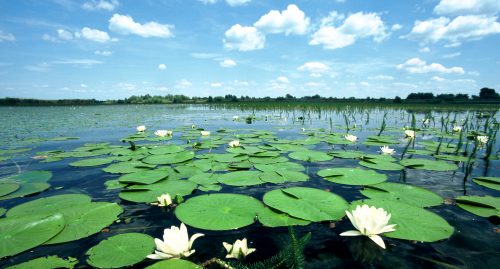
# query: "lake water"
{"type": "Point", "coordinates": [474, 243]}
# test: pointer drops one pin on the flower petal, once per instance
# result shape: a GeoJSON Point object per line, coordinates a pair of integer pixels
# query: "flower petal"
{"type": "Point", "coordinates": [378, 240]}
{"type": "Point", "coordinates": [351, 233]}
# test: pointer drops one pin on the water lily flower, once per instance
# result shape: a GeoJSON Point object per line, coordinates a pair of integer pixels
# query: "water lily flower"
{"type": "Point", "coordinates": [234, 143]}
{"type": "Point", "coordinates": [205, 133]}
{"type": "Point", "coordinates": [457, 129]}
{"type": "Point", "coordinates": [193, 126]}
{"type": "Point", "coordinates": [351, 138]}
{"type": "Point", "coordinates": [386, 150]}
{"type": "Point", "coordinates": [369, 221]}
{"type": "Point", "coordinates": [176, 243]}
{"type": "Point", "coordinates": [410, 133]}
{"type": "Point", "coordinates": [239, 250]}
{"type": "Point", "coordinates": [161, 133]}
{"type": "Point", "coordinates": [425, 121]}
{"type": "Point", "coordinates": [482, 139]}
{"type": "Point", "coordinates": [164, 200]}
{"type": "Point", "coordinates": [302, 129]}
{"type": "Point", "coordinates": [236, 117]}
{"type": "Point", "coordinates": [141, 128]}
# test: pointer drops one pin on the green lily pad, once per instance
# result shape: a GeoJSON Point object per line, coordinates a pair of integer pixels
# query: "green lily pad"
{"type": "Point", "coordinates": [307, 203]}
{"type": "Point", "coordinates": [114, 184]}
{"type": "Point", "coordinates": [380, 163]}
{"type": "Point", "coordinates": [219, 211]}
{"type": "Point", "coordinates": [428, 165]}
{"type": "Point", "coordinates": [6, 188]}
{"type": "Point", "coordinates": [29, 177]}
{"type": "Point", "coordinates": [352, 176]}
{"type": "Point", "coordinates": [483, 206]}
{"type": "Point", "coordinates": [403, 193]}
{"type": "Point", "coordinates": [290, 166]}
{"type": "Point", "coordinates": [2, 211]}
{"type": "Point", "coordinates": [167, 149]}
{"type": "Point", "coordinates": [144, 177]}
{"type": "Point", "coordinates": [241, 178]}
{"type": "Point", "coordinates": [271, 218]}
{"type": "Point", "coordinates": [23, 233]}
{"type": "Point", "coordinates": [412, 222]}
{"type": "Point", "coordinates": [121, 250]}
{"type": "Point", "coordinates": [149, 193]}
{"type": "Point", "coordinates": [204, 179]}
{"type": "Point", "coordinates": [92, 162]}
{"type": "Point", "coordinates": [452, 158]}
{"type": "Point", "coordinates": [127, 167]}
{"type": "Point", "coordinates": [49, 262]}
{"type": "Point", "coordinates": [346, 154]}
{"type": "Point", "coordinates": [173, 158]}
{"type": "Point", "coordinates": [49, 205]}
{"type": "Point", "coordinates": [488, 182]}
{"type": "Point", "coordinates": [229, 158]}
{"type": "Point", "coordinates": [310, 156]}
{"type": "Point", "coordinates": [267, 160]}
{"type": "Point", "coordinates": [26, 189]}
{"type": "Point", "coordinates": [174, 264]}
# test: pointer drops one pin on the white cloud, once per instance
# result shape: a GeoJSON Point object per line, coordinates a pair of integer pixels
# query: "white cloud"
{"type": "Point", "coordinates": [6, 36]}
{"type": "Point", "coordinates": [50, 38]}
{"type": "Point", "coordinates": [451, 55]}
{"type": "Point", "coordinates": [208, 2]}
{"type": "Point", "coordinates": [282, 79]}
{"type": "Point", "coordinates": [396, 27]}
{"type": "Point", "coordinates": [243, 38]}
{"type": "Point", "coordinates": [237, 2]}
{"type": "Point", "coordinates": [203, 55]}
{"type": "Point", "coordinates": [79, 62]}
{"type": "Point", "coordinates": [364, 84]}
{"type": "Point", "coordinates": [183, 84]}
{"type": "Point", "coordinates": [454, 31]}
{"type": "Point", "coordinates": [418, 66]}
{"type": "Point", "coordinates": [95, 35]}
{"type": "Point", "coordinates": [227, 63]}
{"type": "Point", "coordinates": [162, 66]}
{"type": "Point", "coordinates": [83, 85]}
{"type": "Point", "coordinates": [424, 49]}
{"type": "Point", "coordinates": [101, 4]}
{"type": "Point", "coordinates": [313, 84]}
{"type": "Point", "coordinates": [381, 77]}
{"type": "Point", "coordinates": [289, 21]}
{"type": "Point", "coordinates": [125, 25]}
{"type": "Point", "coordinates": [41, 67]}
{"type": "Point", "coordinates": [216, 84]}
{"type": "Point", "coordinates": [64, 35]}
{"type": "Point", "coordinates": [103, 52]}
{"type": "Point", "coordinates": [440, 79]}
{"type": "Point", "coordinates": [467, 7]}
{"type": "Point", "coordinates": [356, 26]}
{"type": "Point", "coordinates": [315, 69]}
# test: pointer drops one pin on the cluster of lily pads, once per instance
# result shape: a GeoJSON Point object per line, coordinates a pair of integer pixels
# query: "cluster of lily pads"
{"type": "Point", "coordinates": [211, 179]}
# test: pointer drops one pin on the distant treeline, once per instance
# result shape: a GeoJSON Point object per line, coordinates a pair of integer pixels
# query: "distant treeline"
{"type": "Point", "coordinates": [486, 95]}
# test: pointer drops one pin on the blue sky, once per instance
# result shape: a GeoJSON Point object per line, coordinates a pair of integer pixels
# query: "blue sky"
{"type": "Point", "coordinates": [109, 49]}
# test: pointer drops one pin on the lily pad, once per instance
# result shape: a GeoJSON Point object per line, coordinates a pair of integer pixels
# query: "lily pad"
{"type": "Point", "coordinates": [174, 264]}
{"type": "Point", "coordinates": [484, 206]}
{"type": "Point", "coordinates": [114, 184]}
{"type": "Point", "coordinates": [29, 177]}
{"type": "Point", "coordinates": [403, 193]}
{"type": "Point", "coordinates": [346, 154]}
{"type": "Point", "coordinates": [178, 157]}
{"type": "Point", "coordinates": [352, 176]}
{"type": "Point", "coordinates": [148, 193]}
{"type": "Point", "coordinates": [219, 211]}
{"type": "Point", "coordinates": [6, 188]}
{"type": "Point", "coordinates": [290, 166]}
{"type": "Point", "coordinates": [127, 167]}
{"type": "Point", "coordinates": [272, 218]}
{"type": "Point", "coordinates": [92, 162]}
{"type": "Point", "coordinates": [49, 262]}
{"type": "Point", "coordinates": [241, 178]}
{"type": "Point", "coordinates": [310, 156]}
{"type": "Point", "coordinates": [121, 250]}
{"type": "Point", "coordinates": [26, 189]}
{"type": "Point", "coordinates": [488, 182]}
{"type": "Point", "coordinates": [380, 163]}
{"type": "Point", "coordinates": [167, 149]}
{"type": "Point", "coordinates": [144, 177]}
{"type": "Point", "coordinates": [428, 164]}
{"type": "Point", "coordinates": [307, 203]}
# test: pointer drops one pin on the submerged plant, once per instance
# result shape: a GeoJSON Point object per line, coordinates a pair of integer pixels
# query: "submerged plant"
{"type": "Point", "coordinates": [176, 243]}
{"type": "Point", "coordinates": [239, 250]}
{"type": "Point", "coordinates": [369, 221]}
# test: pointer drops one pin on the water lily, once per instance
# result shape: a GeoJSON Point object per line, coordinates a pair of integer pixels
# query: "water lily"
{"type": "Point", "coordinates": [482, 139]}
{"type": "Point", "coordinates": [234, 143]}
{"type": "Point", "coordinates": [425, 121]}
{"type": "Point", "coordinates": [161, 133]}
{"type": "Point", "coordinates": [164, 200]}
{"type": "Point", "coordinates": [193, 126]}
{"type": "Point", "coordinates": [302, 129]}
{"type": "Point", "coordinates": [386, 150]}
{"type": "Point", "coordinates": [176, 243]}
{"type": "Point", "coordinates": [410, 133]}
{"type": "Point", "coordinates": [236, 117]}
{"type": "Point", "coordinates": [141, 128]}
{"type": "Point", "coordinates": [457, 129]}
{"type": "Point", "coordinates": [369, 221]}
{"type": "Point", "coordinates": [351, 138]}
{"type": "Point", "coordinates": [205, 133]}
{"type": "Point", "coordinates": [238, 250]}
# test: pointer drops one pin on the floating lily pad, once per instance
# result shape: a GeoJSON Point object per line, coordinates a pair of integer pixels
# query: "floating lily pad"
{"type": "Point", "coordinates": [310, 156]}
{"type": "Point", "coordinates": [229, 158]}
{"type": "Point", "coordinates": [352, 176]}
{"type": "Point", "coordinates": [92, 162]}
{"type": "Point", "coordinates": [26, 189]}
{"type": "Point", "coordinates": [49, 205]}
{"type": "Point", "coordinates": [6, 188]}
{"type": "Point", "coordinates": [488, 182]}
{"type": "Point", "coordinates": [127, 167]}
{"type": "Point", "coordinates": [403, 193]}
{"type": "Point", "coordinates": [22, 233]}
{"type": "Point", "coordinates": [484, 206]}
{"type": "Point", "coordinates": [148, 193]}
{"type": "Point", "coordinates": [204, 179]}
{"type": "Point", "coordinates": [380, 163]}
{"type": "Point", "coordinates": [240, 178]}
{"type": "Point", "coordinates": [49, 262]}
{"type": "Point", "coordinates": [174, 264]}
{"type": "Point", "coordinates": [346, 154]}
{"type": "Point", "coordinates": [271, 218]}
{"type": "Point", "coordinates": [268, 160]}
{"type": "Point", "coordinates": [144, 177]}
{"type": "Point", "coordinates": [219, 211]}
{"type": "Point", "coordinates": [2, 211]}
{"type": "Point", "coordinates": [453, 158]}
{"type": "Point", "coordinates": [29, 177]}
{"type": "Point", "coordinates": [173, 158]}
{"type": "Point", "coordinates": [114, 184]}
{"type": "Point", "coordinates": [121, 250]}
{"type": "Point", "coordinates": [167, 149]}
{"type": "Point", "coordinates": [412, 222]}
{"type": "Point", "coordinates": [428, 165]}
{"type": "Point", "coordinates": [290, 166]}
{"type": "Point", "coordinates": [307, 203]}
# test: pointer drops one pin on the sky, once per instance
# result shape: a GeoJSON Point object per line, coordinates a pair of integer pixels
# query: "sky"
{"type": "Point", "coordinates": [112, 49]}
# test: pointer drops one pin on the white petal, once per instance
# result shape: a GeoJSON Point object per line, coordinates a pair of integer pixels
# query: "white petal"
{"type": "Point", "coordinates": [193, 237]}
{"type": "Point", "coordinates": [378, 240]}
{"type": "Point", "coordinates": [227, 246]}
{"type": "Point", "coordinates": [351, 233]}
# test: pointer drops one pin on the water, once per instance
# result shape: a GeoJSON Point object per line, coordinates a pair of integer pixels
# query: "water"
{"type": "Point", "coordinates": [474, 243]}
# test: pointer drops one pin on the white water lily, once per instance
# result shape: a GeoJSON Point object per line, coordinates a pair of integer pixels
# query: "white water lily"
{"type": "Point", "coordinates": [457, 129]}
{"type": "Point", "coordinates": [351, 138]}
{"type": "Point", "coordinates": [302, 129]}
{"type": "Point", "coordinates": [236, 117]}
{"type": "Point", "coordinates": [141, 128]}
{"type": "Point", "coordinates": [386, 150]}
{"type": "Point", "coordinates": [161, 133]}
{"type": "Point", "coordinates": [425, 121]}
{"type": "Point", "coordinates": [193, 126]}
{"type": "Point", "coordinates": [238, 250]}
{"type": "Point", "coordinates": [164, 200]}
{"type": "Point", "coordinates": [234, 143]}
{"type": "Point", "coordinates": [176, 243]}
{"type": "Point", "coordinates": [410, 133]}
{"type": "Point", "coordinates": [482, 139]}
{"type": "Point", "coordinates": [369, 221]}
{"type": "Point", "coordinates": [205, 133]}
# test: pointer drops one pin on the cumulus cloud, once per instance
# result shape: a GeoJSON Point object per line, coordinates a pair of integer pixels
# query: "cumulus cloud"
{"type": "Point", "coordinates": [461, 28]}
{"type": "Point", "coordinates": [467, 7]}
{"type": "Point", "coordinates": [162, 66]}
{"type": "Point", "coordinates": [355, 26]}
{"type": "Point", "coordinates": [6, 36]}
{"type": "Point", "coordinates": [64, 35]}
{"type": "Point", "coordinates": [101, 5]}
{"type": "Point", "coordinates": [229, 2]}
{"type": "Point", "coordinates": [315, 69]}
{"type": "Point", "coordinates": [292, 20]}
{"type": "Point", "coordinates": [103, 52]}
{"type": "Point", "coordinates": [95, 35]}
{"type": "Point", "coordinates": [418, 66]}
{"type": "Point", "coordinates": [243, 38]}
{"type": "Point", "coordinates": [282, 79]}
{"type": "Point", "coordinates": [227, 63]}
{"type": "Point", "coordinates": [452, 55]}
{"type": "Point", "coordinates": [216, 84]}
{"type": "Point", "coordinates": [124, 24]}
{"type": "Point", "coordinates": [183, 84]}
{"type": "Point", "coordinates": [381, 77]}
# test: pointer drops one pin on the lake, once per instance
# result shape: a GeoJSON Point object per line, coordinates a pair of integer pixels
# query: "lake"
{"type": "Point", "coordinates": [290, 163]}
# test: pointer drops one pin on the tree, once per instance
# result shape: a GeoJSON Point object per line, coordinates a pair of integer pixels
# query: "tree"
{"type": "Point", "coordinates": [487, 93]}
{"type": "Point", "coordinates": [397, 100]}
